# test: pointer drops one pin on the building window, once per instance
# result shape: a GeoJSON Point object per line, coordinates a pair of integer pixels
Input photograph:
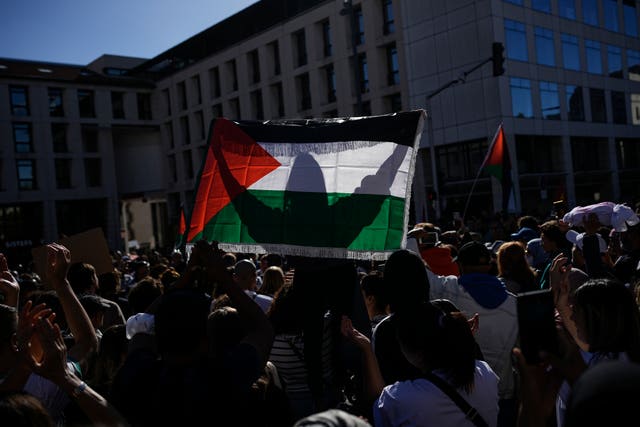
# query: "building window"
{"type": "Point", "coordinates": [549, 101]}
{"type": "Point", "coordinates": [618, 107]}
{"type": "Point", "coordinates": [614, 61]}
{"type": "Point", "coordinates": [575, 103]}
{"type": "Point", "coordinates": [166, 98]}
{"type": "Point", "coordinates": [327, 46]}
{"type": "Point", "coordinates": [233, 74]}
{"type": "Point", "coordinates": [197, 89]}
{"type": "Point", "coordinates": [633, 64]}
{"type": "Point", "coordinates": [184, 128]}
{"type": "Point", "coordinates": [234, 109]}
{"type": "Point", "coordinates": [199, 119]}
{"type": "Point", "coordinates": [93, 172]}
{"type": "Point", "coordinates": [256, 103]}
{"type": "Point", "coordinates": [22, 138]}
{"type": "Point", "coordinates": [388, 22]}
{"type": "Point", "coordinates": [521, 98]}
{"type": "Point", "coordinates": [169, 131]}
{"type": "Point", "coordinates": [144, 106]}
{"type": "Point", "coordinates": [86, 103]}
{"type": "Point", "coordinates": [516, 40]}
{"type": "Point", "coordinates": [541, 5]}
{"type": "Point", "coordinates": [589, 154]}
{"type": "Point", "coordinates": [567, 9]}
{"type": "Point", "coordinates": [277, 95]}
{"type": "Point", "coordinates": [173, 174]}
{"type": "Point", "coordinates": [63, 173]}
{"type": "Point", "coordinates": [394, 103]}
{"type": "Point", "coordinates": [393, 67]}
{"type": "Point", "coordinates": [594, 56]}
{"type": "Point", "coordinates": [26, 174]}
{"type": "Point", "coordinates": [117, 105]}
{"type": "Point", "coordinates": [300, 48]}
{"type": "Point", "coordinates": [59, 137]}
{"type": "Point", "coordinates": [598, 108]}
{"type": "Point", "coordinates": [630, 18]}
{"type": "Point", "coordinates": [90, 139]}
{"type": "Point", "coordinates": [19, 97]}
{"type": "Point", "coordinates": [363, 73]}
{"type": "Point", "coordinates": [304, 92]}
{"type": "Point", "coordinates": [358, 19]}
{"type": "Point", "coordinates": [610, 9]}
{"type": "Point", "coordinates": [274, 49]}
{"type": "Point", "coordinates": [545, 52]}
{"type": "Point", "coordinates": [216, 110]}
{"type": "Point", "coordinates": [518, 2]}
{"type": "Point", "coordinates": [330, 81]}
{"type": "Point", "coordinates": [188, 164]}
{"type": "Point", "coordinates": [182, 95]}
{"type": "Point", "coordinates": [590, 12]}
{"type": "Point", "coordinates": [56, 105]}
{"type": "Point", "coordinates": [254, 66]}
{"type": "Point", "coordinates": [570, 52]}
{"type": "Point", "coordinates": [635, 108]}
{"type": "Point", "coordinates": [214, 82]}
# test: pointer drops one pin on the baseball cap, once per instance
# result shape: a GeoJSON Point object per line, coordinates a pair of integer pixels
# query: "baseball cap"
{"type": "Point", "coordinates": [473, 253]}
{"type": "Point", "coordinates": [576, 238]}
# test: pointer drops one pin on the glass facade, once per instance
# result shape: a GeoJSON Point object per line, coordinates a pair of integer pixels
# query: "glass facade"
{"type": "Point", "coordinates": [516, 40]}
{"type": "Point", "coordinates": [570, 52]}
{"type": "Point", "coordinates": [549, 101]}
{"type": "Point", "coordinates": [594, 56]}
{"type": "Point", "coordinates": [521, 104]}
{"type": "Point", "coordinates": [545, 52]}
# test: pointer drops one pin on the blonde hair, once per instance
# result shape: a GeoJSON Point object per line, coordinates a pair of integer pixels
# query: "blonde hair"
{"type": "Point", "coordinates": [272, 280]}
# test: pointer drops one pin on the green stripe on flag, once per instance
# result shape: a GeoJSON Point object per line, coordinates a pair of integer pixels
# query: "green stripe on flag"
{"type": "Point", "coordinates": [358, 222]}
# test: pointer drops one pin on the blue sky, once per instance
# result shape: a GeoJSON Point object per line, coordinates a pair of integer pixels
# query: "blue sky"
{"type": "Point", "coordinates": [79, 31]}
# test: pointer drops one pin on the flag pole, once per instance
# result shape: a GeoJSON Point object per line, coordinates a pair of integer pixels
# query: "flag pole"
{"type": "Point", "coordinates": [475, 181]}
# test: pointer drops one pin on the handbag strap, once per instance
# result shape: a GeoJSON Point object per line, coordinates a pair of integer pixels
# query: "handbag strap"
{"type": "Point", "coordinates": [470, 412]}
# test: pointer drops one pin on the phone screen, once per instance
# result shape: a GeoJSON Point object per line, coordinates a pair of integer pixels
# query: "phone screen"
{"type": "Point", "coordinates": [536, 322]}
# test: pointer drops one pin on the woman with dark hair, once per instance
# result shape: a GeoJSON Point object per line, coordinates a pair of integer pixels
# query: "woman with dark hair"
{"type": "Point", "coordinates": [406, 287]}
{"type": "Point", "coordinates": [601, 317]}
{"type": "Point", "coordinates": [441, 346]}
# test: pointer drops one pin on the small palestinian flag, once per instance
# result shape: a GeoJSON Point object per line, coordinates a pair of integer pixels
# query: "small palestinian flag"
{"type": "Point", "coordinates": [498, 164]}
{"type": "Point", "coordinates": [332, 188]}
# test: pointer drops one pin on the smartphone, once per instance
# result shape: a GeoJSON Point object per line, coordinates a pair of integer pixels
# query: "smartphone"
{"type": "Point", "coordinates": [536, 322]}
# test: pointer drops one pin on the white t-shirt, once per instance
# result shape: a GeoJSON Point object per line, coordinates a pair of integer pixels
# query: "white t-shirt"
{"type": "Point", "coordinates": [264, 301]}
{"type": "Point", "coordinates": [421, 403]}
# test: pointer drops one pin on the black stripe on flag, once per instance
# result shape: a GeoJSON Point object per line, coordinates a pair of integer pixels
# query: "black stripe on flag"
{"type": "Point", "coordinates": [399, 128]}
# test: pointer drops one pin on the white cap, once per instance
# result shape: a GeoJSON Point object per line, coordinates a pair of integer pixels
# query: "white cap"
{"type": "Point", "coordinates": [576, 238]}
{"type": "Point", "coordinates": [140, 323]}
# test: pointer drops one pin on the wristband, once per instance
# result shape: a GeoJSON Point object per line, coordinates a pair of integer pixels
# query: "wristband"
{"type": "Point", "coordinates": [79, 389]}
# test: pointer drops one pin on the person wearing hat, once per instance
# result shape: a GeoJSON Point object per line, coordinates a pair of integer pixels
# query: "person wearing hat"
{"type": "Point", "coordinates": [478, 291]}
{"type": "Point", "coordinates": [438, 257]}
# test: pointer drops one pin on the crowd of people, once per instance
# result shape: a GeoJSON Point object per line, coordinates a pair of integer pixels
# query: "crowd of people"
{"type": "Point", "coordinates": [429, 336]}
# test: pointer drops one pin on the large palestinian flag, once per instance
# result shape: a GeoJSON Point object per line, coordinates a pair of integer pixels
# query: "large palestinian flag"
{"type": "Point", "coordinates": [336, 188]}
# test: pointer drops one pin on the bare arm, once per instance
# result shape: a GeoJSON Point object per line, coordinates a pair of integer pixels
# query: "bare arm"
{"type": "Point", "coordinates": [53, 366]}
{"type": "Point", "coordinates": [373, 381]}
{"type": "Point", "coordinates": [9, 286]}
{"type": "Point", "coordinates": [58, 260]}
{"type": "Point", "coordinates": [559, 282]}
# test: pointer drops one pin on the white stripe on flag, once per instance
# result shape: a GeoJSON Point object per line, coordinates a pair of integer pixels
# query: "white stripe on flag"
{"type": "Point", "coordinates": [343, 165]}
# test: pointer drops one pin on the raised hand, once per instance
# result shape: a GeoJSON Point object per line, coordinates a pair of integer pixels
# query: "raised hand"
{"type": "Point", "coordinates": [9, 286]}
{"type": "Point", "coordinates": [29, 345]}
{"type": "Point", "coordinates": [354, 335]}
{"type": "Point", "coordinates": [559, 279]}
{"type": "Point", "coordinates": [58, 261]}
{"type": "Point", "coordinates": [53, 362]}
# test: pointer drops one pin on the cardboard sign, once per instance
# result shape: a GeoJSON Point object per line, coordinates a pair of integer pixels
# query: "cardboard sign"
{"type": "Point", "coordinates": [89, 246]}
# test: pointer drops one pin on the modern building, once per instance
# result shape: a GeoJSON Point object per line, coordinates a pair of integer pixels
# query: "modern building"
{"type": "Point", "coordinates": [118, 143]}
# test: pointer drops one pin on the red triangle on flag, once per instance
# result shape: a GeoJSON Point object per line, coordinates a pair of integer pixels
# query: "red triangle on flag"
{"type": "Point", "coordinates": [247, 161]}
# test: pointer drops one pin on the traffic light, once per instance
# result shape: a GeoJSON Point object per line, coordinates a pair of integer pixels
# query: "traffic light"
{"type": "Point", "coordinates": [497, 58]}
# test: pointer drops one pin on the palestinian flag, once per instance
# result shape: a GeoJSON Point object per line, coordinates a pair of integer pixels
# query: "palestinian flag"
{"type": "Point", "coordinates": [333, 188]}
{"type": "Point", "coordinates": [498, 164]}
